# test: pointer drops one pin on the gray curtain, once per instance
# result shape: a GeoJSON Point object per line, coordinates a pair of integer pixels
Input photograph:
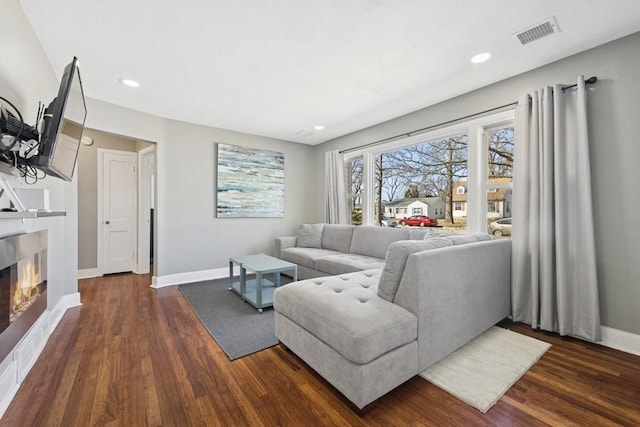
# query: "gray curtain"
{"type": "Point", "coordinates": [554, 280]}
{"type": "Point", "coordinates": [334, 189]}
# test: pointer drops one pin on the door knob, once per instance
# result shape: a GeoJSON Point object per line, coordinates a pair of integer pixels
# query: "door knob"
{"type": "Point", "coordinates": [107, 222]}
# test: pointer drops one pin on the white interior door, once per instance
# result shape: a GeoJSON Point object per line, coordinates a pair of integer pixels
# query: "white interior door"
{"type": "Point", "coordinates": [119, 207]}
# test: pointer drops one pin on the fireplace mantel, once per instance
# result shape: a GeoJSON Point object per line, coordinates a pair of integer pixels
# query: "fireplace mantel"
{"type": "Point", "coordinates": [30, 214]}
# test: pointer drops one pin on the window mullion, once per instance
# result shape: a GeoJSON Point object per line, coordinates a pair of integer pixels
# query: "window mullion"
{"type": "Point", "coordinates": [477, 202]}
{"type": "Point", "coordinates": [368, 200]}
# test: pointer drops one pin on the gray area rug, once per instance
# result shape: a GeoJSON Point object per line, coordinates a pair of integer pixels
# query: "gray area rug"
{"type": "Point", "coordinates": [234, 324]}
{"type": "Point", "coordinates": [480, 372]}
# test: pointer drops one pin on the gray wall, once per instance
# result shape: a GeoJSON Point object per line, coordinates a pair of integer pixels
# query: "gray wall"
{"type": "Point", "coordinates": [614, 127]}
{"type": "Point", "coordinates": [87, 173]}
{"type": "Point", "coordinates": [192, 238]}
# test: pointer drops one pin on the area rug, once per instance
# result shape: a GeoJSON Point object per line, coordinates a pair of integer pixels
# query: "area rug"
{"type": "Point", "coordinates": [480, 372]}
{"type": "Point", "coordinates": [235, 325]}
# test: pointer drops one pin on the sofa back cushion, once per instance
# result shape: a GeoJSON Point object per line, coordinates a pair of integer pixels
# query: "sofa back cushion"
{"type": "Point", "coordinates": [374, 241]}
{"type": "Point", "coordinates": [463, 239]}
{"type": "Point", "coordinates": [421, 233]}
{"type": "Point", "coordinates": [310, 236]}
{"type": "Point", "coordinates": [337, 237]}
{"type": "Point", "coordinates": [397, 258]}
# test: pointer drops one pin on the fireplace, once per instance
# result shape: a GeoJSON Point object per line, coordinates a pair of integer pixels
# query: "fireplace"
{"type": "Point", "coordinates": [23, 286]}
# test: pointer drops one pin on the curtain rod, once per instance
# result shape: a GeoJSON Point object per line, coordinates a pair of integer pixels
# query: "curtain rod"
{"type": "Point", "coordinates": [590, 80]}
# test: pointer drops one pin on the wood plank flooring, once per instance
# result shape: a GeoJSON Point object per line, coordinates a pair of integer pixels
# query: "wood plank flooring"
{"type": "Point", "coordinates": [134, 356]}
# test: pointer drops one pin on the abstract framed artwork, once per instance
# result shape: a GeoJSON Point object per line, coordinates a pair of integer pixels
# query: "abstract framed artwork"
{"type": "Point", "coordinates": [250, 182]}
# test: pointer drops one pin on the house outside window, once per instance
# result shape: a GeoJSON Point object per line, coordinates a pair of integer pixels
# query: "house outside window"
{"type": "Point", "coordinates": [416, 211]}
{"type": "Point", "coordinates": [448, 163]}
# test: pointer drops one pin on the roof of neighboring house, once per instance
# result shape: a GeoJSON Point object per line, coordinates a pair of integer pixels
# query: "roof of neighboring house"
{"type": "Point", "coordinates": [494, 196]}
{"type": "Point", "coordinates": [403, 203]}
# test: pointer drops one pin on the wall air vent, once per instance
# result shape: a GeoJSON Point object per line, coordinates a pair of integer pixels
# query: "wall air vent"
{"type": "Point", "coordinates": [538, 31]}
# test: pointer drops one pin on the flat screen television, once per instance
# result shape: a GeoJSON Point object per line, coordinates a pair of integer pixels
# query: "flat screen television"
{"type": "Point", "coordinates": [63, 125]}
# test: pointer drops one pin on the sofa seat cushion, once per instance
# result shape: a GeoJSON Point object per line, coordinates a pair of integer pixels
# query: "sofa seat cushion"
{"type": "Point", "coordinates": [347, 263]}
{"type": "Point", "coordinates": [346, 313]}
{"type": "Point", "coordinates": [305, 256]}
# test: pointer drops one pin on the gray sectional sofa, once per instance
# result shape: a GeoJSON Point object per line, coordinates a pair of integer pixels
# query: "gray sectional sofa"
{"type": "Point", "coordinates": [367, 332]}
{"type": "Point", "coordinates": [328, 249]}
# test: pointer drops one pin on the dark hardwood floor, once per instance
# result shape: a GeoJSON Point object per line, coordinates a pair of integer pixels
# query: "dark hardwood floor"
{"type": "Point", "coordinates": [134, 356]}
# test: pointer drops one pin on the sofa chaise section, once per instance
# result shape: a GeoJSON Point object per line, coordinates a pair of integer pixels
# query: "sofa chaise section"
{"type": "Point", "coordinates": [438, 295]}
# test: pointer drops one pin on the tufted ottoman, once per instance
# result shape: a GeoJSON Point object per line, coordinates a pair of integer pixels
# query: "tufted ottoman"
{"type": "Point", "coordinates": [361, 343]}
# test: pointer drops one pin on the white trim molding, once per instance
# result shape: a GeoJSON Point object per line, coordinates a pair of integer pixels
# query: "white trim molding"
{"type": "Point", "coordinates": [9, 386]}
{"type": "Point", "coordinates": [65, 303]}
{"type": "Point", "coordinates": [191, 276]}
{"type": "Point", "coordinates": [620, 340]}
{"type": "Point", "coordinates": [88, 273]}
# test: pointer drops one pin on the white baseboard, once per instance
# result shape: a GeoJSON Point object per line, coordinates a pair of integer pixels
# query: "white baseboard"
{"type": "Point", "coordinates": [88, 273]}
{"type": "Point", "coordinates": [620, 340]}
{"type": "Point", "coordinates": [191, 276]}
{"type": "Point", "coordinates": [65, 303]}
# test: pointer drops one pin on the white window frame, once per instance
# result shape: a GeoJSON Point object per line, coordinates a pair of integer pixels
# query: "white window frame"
{"type": "Point", "coordinates": [477, 164]}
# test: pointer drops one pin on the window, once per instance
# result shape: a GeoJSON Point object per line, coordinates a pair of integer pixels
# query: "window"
{"type": "Point", "coordinates": [431, 168]}
{"type": "Point", "coordinates": [500, 146]}
{"type": "Point", "coordinates": [355, 189]}
{"type": "Point", "coordinates": [456, 166]}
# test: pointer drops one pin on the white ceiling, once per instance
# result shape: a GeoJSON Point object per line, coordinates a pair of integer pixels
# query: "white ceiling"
{"type": "Point", "coordinates": [279, 67]}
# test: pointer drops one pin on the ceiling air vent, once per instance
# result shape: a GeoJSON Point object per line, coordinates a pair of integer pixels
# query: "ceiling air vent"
{"type": "Point", "coordinates": [538, 31]}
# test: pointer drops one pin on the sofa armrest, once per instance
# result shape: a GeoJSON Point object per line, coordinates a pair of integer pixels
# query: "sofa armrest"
{"type": "Point", "coordinates": [457, 293]}
{"type": "Point", "coordinates": [284, 243]}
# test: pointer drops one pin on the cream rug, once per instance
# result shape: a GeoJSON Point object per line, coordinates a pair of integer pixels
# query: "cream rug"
{"type": "Point", "coordinates": [480, 372]}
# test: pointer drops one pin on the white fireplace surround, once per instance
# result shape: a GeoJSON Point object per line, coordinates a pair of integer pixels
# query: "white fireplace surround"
{"type": "Point", "coordinates": [25, 340]}
{"type": "Point", "coordinates": [15, 367]}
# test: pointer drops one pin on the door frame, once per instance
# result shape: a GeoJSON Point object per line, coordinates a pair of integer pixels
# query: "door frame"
{"type": "Point", "coordinates": [146, 185]}
{"type": "Point", "coordinates": [101, 153]}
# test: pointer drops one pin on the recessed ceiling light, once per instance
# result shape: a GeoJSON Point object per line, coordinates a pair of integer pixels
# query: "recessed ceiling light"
{"type": "Point", "coordinates": [129, 82]}
{"type": "Point", "coordinates": [481, 57]}
{"type": "Point", "coordinates": [318, 127]}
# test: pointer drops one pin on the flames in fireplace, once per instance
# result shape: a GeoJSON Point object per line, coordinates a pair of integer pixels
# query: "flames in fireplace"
{"type": "Point", "coordinates": [27, 286]}
{"type": "Point", "coordinates": [23, 286]}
